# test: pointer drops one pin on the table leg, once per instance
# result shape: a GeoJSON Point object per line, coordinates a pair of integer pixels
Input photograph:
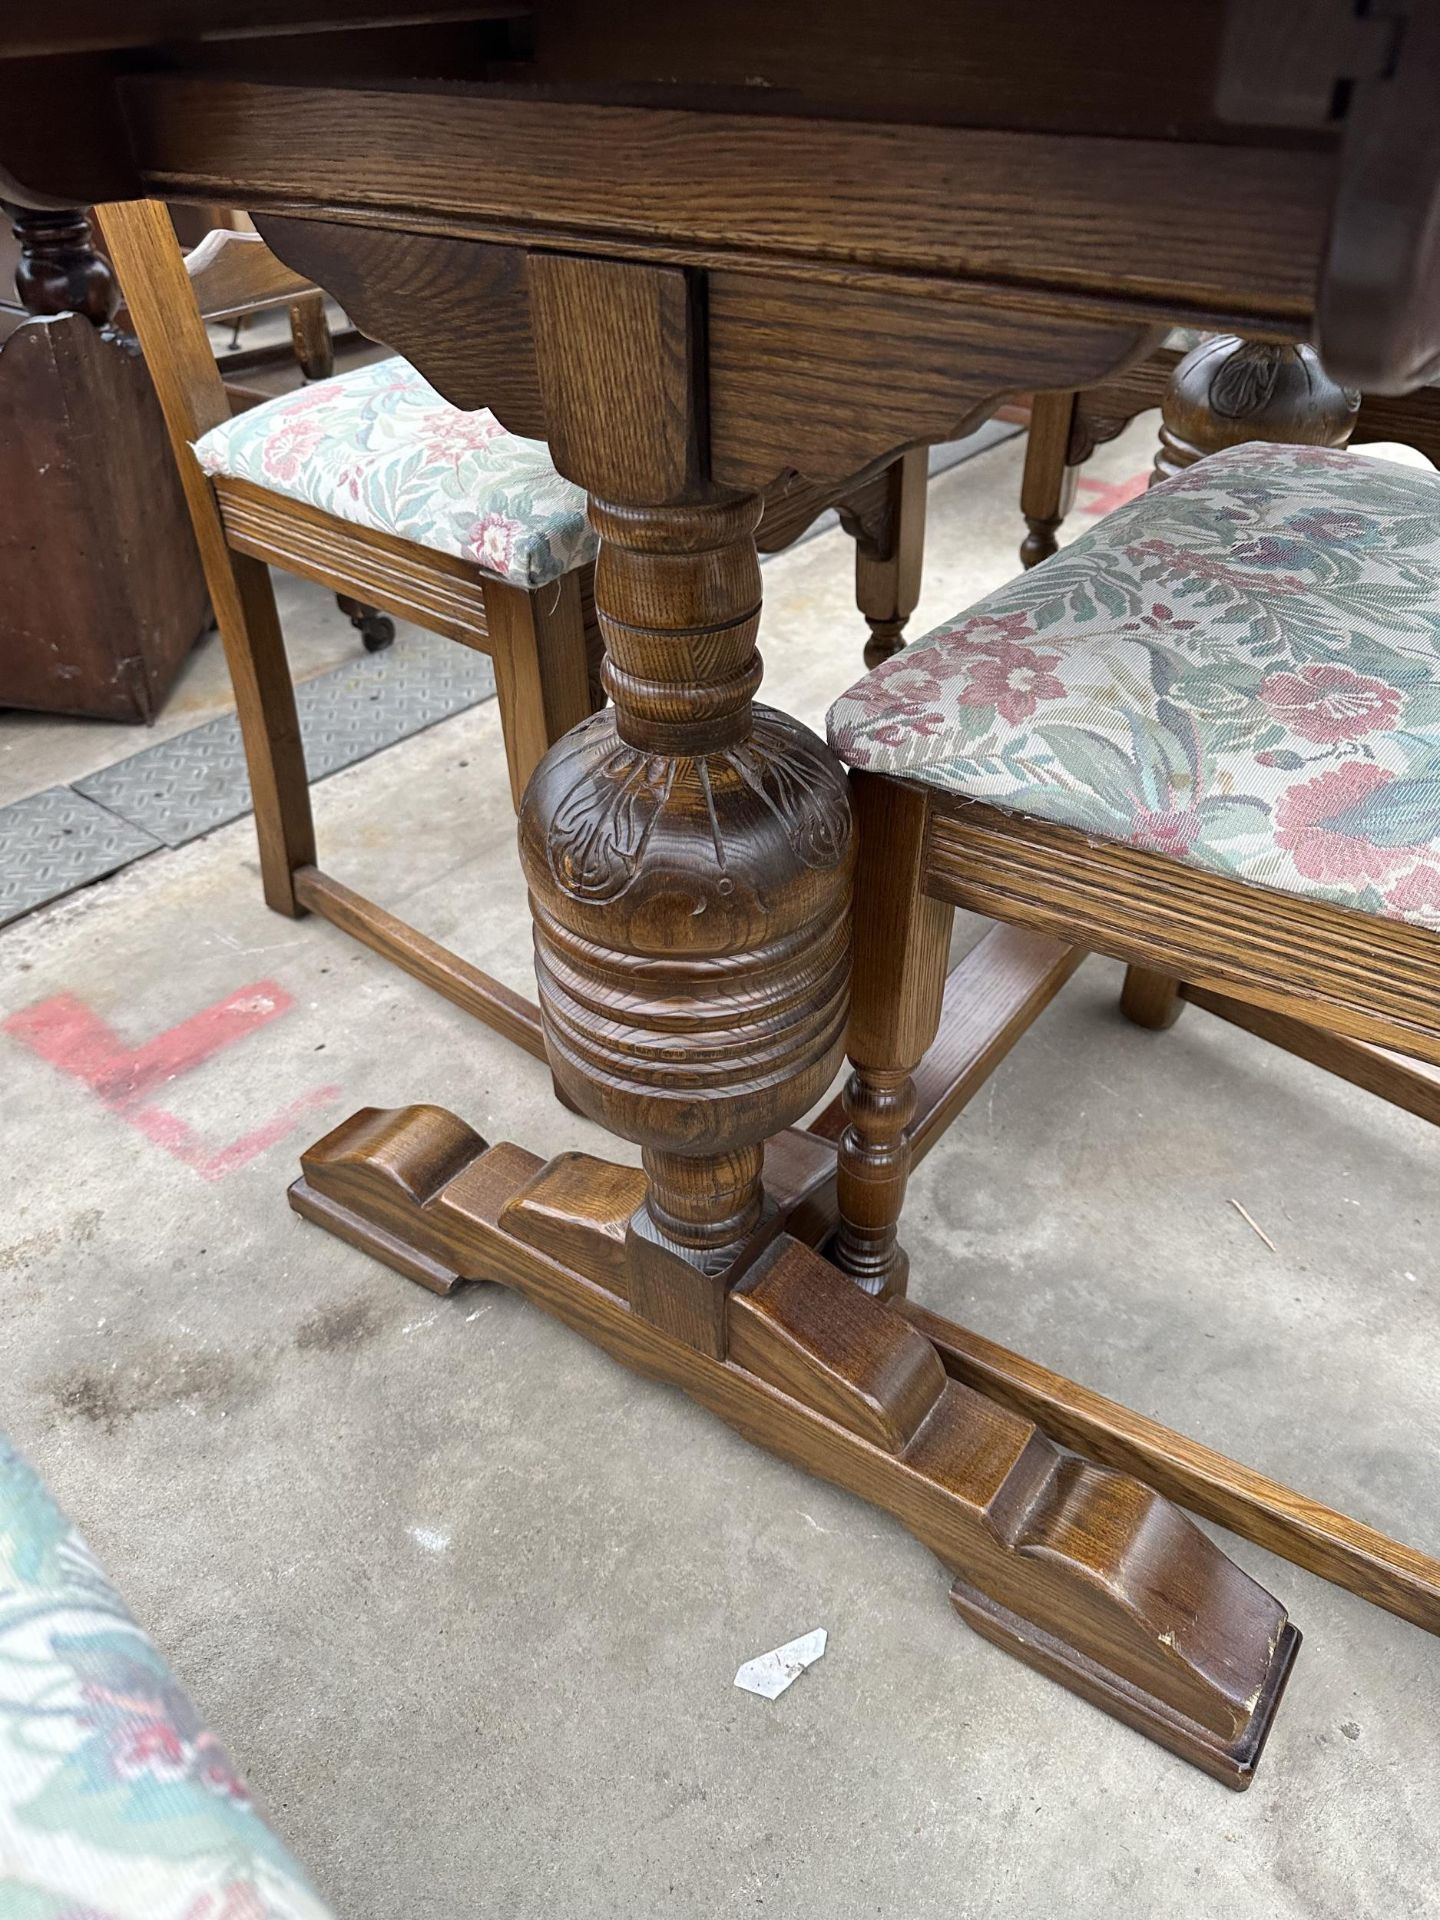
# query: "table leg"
{"type": "Point", "coordinates": [689, 858]}
{"type": "Point", "coordinates": [689, 861]}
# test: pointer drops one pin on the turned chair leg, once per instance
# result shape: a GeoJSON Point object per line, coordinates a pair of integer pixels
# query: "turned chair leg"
{"type": "Point", "coordinates": [897, 990]}
{"type": "Point", "coordinates": [888, 572]}
{"type": "Point", "coordinates": [1047, 491]}
{"type": "Point", "coordinates": [376, 629]}
{"type": "Point", "coordinates": [541, 656]}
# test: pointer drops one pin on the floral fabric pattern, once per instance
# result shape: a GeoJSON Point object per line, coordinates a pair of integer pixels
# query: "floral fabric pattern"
{"type": "Point", "coordinates": [379, 447]}
{"type": "Point", "coordinates": [116, 1802]}
{"type": "Point", "coordinates": [1240, 670]}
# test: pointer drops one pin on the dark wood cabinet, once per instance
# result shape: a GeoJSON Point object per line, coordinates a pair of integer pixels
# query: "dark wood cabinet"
{"type": "Point", "coordinates": [101, 593]}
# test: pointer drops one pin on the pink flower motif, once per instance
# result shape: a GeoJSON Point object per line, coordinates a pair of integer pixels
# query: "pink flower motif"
{"type": "Point", "coordinates": [284, 451]}
{"type": "Point", "coordinates": [318, 394]}
{"type": "Point", "coordinates": [906, 685]}
{"type": "Point", "coordinates": [452, 434]}
{"type": "Point", "coordinates": [492, 542]}
{"type": "Point", "coordinates": [981, 629]}
{"type": "Point", "coordinates": [153, 1747]}
{"type": "Point", "coordinates": [1321, 852]}
{"type": "Point", "coordinates": [1327, 703]}
{"type": "Point", "coordinates": [1416, 896]}
{"type": "Point", "coordinates": [213, 1770]}
{"type": "Point", "coordinates": [1013, 680]}
{"type": "Point", "coordinates": [1165, 831]}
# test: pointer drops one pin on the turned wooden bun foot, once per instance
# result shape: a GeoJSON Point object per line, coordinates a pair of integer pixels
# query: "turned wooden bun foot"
{"type": "Point", "coordinates": [887, 638]}
{"type": "Point", "coordinates": [1083, 1571]}
{"type": "Point", "coordinates": [1040, 542]}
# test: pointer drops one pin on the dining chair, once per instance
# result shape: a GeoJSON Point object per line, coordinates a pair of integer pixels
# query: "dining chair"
{"type": "Point", "coordinates": [404, 506]}
{"type": "Point", "coordinates": [1213, 391]}
{"type": "Point", "coordinates": [1204, 740]}
{"type": "Point", "coordinates": [1216, 391]}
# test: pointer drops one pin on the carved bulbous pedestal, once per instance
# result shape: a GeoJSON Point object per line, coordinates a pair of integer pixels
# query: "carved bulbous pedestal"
{"type": "Point", "coordinates": [689, 863]}
{"type": "Point", "coordinates": [1227, 391]}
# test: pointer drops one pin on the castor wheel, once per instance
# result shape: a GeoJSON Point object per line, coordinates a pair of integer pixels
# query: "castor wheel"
{"type": "Point", "coordinates": [376, 629]}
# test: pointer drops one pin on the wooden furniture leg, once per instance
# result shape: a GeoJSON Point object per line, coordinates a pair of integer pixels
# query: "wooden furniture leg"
{"type": "Point", "coordinates": [1311, 1535]}
{"type": "Point", "coordinates": [242, 598]}
{"type": "Point", "coordinates": [1151, 999]}
{"type": "Point", "coordinates": [898, 985]}
{"type": "Point", "coordinates": [1047, 490]}
{"type": "Point", "coordinates": [890, 556]}
{"type": "Point", "coordinates": [1227, 391]}
{"type": "Point", "coordinates": [1082, 1572]}
{"type": "Point", "coordinates": [689, 859]}
{"type": "Point", "coordinates": [689, 902]}
{"type": "Point", "coordinates": [542, 686]}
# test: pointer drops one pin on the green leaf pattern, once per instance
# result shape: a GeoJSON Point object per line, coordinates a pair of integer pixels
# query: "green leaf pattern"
{"type": "Point", "coordinates": [116, 1801]}
{"type": "Point", "coordinates": [1239, 669]}
{"type": "Point", "coordinates": [379, 447]}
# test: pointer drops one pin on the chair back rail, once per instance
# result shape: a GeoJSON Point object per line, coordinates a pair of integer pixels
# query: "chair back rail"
{"type": "Point", "coordinates": [171, 297]}
{"type": "Point", "coordinates": [235, 273]}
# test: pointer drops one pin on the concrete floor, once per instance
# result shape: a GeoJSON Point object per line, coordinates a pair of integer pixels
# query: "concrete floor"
{"type": "Point", "coordinates": [466, 1599]}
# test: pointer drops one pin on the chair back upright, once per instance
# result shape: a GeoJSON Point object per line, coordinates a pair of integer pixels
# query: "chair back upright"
{"type": "Point", "coordinates": [172, 297]}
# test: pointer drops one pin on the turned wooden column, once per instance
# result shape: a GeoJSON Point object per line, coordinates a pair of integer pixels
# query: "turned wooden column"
{"type": "Point", "coordinates": [688, 853]}
{"type": "Point", "coordinates": [60, 269]}
{"type": "Point", "coordinates": [898, 989]}
{"type": "Point", "coordinates": [1227, 391]}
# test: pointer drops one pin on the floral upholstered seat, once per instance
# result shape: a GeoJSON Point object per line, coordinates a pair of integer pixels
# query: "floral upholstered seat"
{"type": "Point", "coordinates": [116, 1802]}
{"type": "Point", "coordinates": [1240, 670]}
{"type": "Point", "coordinates": [378, 446]}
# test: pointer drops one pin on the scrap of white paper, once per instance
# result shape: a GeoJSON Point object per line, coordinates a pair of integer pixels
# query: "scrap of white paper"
{"type": "Point", "coordinates": [769, 1674]}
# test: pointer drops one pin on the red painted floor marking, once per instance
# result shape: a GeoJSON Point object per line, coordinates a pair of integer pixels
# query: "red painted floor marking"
{"type": "Point", "coordinates": [73, 1038]}
{"type": "Point", "coordinates": [1103, 496]}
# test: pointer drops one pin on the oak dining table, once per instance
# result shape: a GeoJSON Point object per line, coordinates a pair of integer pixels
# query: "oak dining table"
{"type": "Point", "coordinates": [697, 249]}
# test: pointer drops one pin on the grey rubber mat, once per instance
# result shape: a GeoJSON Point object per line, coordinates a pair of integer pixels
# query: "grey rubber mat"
{"type": "Point", "coordinates": [55, 841]}
{"type": "Point", "coordinates": [196, 781]}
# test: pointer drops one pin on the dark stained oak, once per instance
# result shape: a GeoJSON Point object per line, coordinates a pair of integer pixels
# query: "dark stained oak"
{"type": "Point", "coordinates": [1081, 1570]}
{"type": "Point", "coordinates": [1358, 975]}
{"type": "Point", "coordinates": [700, 295]}
{"type": "Point", "coordinates": [1035, 208]}
{"type": "Point", "coordinates": [1345, 1551]}
{"type": "Point", "coordinates": [1227, 391]}
{"type": "Point", "coordinates": [1411, 1084]}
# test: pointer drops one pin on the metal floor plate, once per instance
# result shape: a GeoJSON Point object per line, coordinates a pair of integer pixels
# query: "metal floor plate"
{"type": "Point", "coordinates": [65, 837]}
{"type": "Point", "coordinates": [55, 841]}
{"type": "Point", "coordinates": [196, 782]}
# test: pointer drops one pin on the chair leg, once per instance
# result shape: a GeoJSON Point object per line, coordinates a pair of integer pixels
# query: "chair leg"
{"type": "Point", "coordinates": [888, 573]}
{"type": "Point", "coordinates": [902, 945]}
{"type": "Point", "coordinates": [249, 625]}
{"type": "Point", "coordinates": [376, 629]}
{"type": "Point", "coordinates": [1151, 999]}
{"type": "Point", "coordinates": [542, 674]}
{"type": "Point", "coordinates": [1047, 490]}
